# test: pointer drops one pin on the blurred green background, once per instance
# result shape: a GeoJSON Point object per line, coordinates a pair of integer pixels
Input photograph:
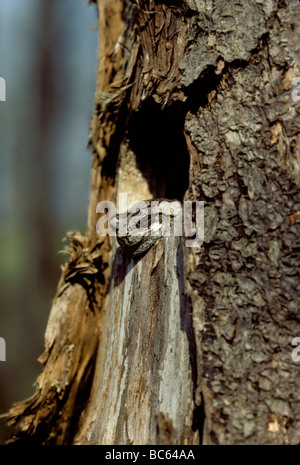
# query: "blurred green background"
{"type": "Point", "coordinates": [48, 56]}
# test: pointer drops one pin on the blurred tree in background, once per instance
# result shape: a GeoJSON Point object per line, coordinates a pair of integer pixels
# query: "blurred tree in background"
{"type": "Point", "coordinates": [47, 58]}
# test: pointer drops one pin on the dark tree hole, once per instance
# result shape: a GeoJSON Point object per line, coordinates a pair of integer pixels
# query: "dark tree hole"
{"type": "Point", "coordinates": [156, 137]}
{"type": "Point", "coordinates": [197, 92]}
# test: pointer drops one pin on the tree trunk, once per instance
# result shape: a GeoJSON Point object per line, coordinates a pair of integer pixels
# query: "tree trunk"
{"type": "Point", "coordinates": [184, 345]}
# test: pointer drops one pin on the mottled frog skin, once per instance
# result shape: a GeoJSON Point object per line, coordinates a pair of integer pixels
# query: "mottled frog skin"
{"type": "Point", "coordinates": [144, 224]}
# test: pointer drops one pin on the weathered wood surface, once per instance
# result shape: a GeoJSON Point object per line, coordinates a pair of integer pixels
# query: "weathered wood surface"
{"type": "Point", "coordinates": [148, 360]}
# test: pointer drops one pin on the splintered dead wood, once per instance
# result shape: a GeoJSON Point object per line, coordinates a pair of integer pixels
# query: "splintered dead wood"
{"type": "Point", "coordinates": [71, 342]}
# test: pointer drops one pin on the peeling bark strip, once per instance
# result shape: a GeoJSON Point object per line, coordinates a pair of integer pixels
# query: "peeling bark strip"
{"type": "Point", "coordinates": [192, 98]}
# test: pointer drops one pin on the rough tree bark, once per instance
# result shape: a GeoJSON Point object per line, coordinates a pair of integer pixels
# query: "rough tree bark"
{"type": "Point", "coordinates": [184, 346]}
